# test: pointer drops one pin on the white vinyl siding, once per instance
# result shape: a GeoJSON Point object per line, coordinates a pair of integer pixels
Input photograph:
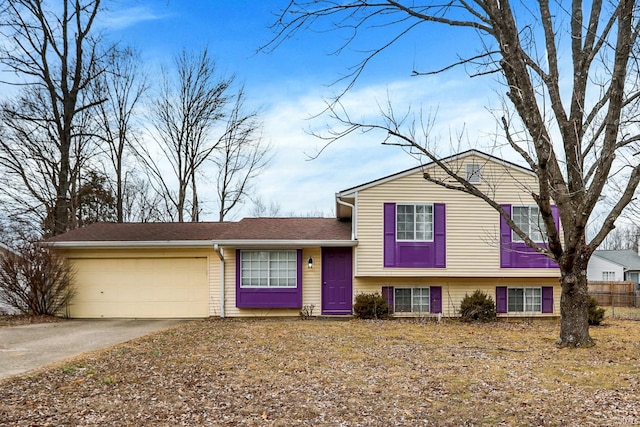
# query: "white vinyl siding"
{"type": "Point", "coordinates": [527, 300]}
{"type": "Point", "coordinates": [414, 222]}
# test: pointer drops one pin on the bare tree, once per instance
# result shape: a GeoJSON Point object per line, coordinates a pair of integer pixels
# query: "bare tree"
{"type": "Point", "coordinates": [261, 210]}
{"type": "Point", "coordinates": [122, 87]}
{"type": "Point", "coordinates": [570, 75]}
{"type": "Point", "coordinates": [55, 55]}
{"type": "Point", "coordinates": [240, 157]}
{"type": "Point", "coordinates": [184, 116]}
{"type": "Point", "coordinates": [35, 281]}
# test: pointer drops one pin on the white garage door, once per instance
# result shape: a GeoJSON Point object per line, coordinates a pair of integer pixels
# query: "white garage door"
{"type": "Point", "coordinates": [141, 287]}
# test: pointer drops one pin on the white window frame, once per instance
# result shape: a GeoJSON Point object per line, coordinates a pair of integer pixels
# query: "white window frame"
{"type": "Point", "coordinates": [418, 296]}
{"type": "Point", "coordinates": [260, 269]}
{"type": "Point", "coordinates": [530, 303]}
{"type": "Point", "coordinates": [608, 276]}
{"type": "Point", "coordinates": [427, 225]}
{"type": "Point", "coordinates": [533, 227]}
{"type": "Point", "coordinates": [474, 173]}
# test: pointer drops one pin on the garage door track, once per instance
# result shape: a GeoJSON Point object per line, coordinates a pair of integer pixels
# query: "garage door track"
{"type": "Point", "coordinates": [28, 347]}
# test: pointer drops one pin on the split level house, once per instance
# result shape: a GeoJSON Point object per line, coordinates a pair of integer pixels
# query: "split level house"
{"type": "Point", "coordinates": [421, 245]}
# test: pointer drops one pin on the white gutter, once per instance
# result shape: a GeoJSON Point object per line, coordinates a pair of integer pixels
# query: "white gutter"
{"type": "Point", "coordinates": [200, 243]}
{"type": "Point", "coordinates": [354, 217]}
{"type": "Point", "coordinates": [257, 243]}
{"type": "Point", "coordinates": [219, 250]}
{"type": "Point", "coordinates": [133, 244]}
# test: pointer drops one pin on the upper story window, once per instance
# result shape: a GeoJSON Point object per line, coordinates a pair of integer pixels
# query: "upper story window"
{"type": "Point", "coordinates": [414, 222]}
{"type": "Point", "coordinates": [609, 276]}
{"type": "Point", "coordinates": [268, 269]}
{"type": "Point", "coordinates": [528, 219]}
{"type": "Point", "coordinates": [474, 173]}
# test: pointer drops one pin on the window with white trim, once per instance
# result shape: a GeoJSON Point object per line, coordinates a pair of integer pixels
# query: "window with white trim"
{"type": "Point", "coordinates": [414, 222]}
{"type": "Point", "coordinates": [609, 276]}
{"type": "Point", "coordinates": [524, 300]}
{"type": "Point", "coordinates": [268, 269]}
{"type": "Point", "coordinates": [474, 173]}
{"type": "Point", "coordinates": [411, 300]}
{"type": "Point", "coordinates": [529, 220]}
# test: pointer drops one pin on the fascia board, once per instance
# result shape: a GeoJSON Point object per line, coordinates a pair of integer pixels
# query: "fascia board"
{"type": "Point", "coordinates": [202, 244]}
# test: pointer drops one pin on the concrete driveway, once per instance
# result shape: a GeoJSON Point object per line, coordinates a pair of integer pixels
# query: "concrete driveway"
{"type": "Point", "coordinates": [29, 347]}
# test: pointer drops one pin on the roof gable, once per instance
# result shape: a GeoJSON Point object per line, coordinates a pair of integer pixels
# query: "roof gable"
{"type": "Point", "coordinates": [350, 192]}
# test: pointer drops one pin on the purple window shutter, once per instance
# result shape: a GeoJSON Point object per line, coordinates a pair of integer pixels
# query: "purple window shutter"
{"type": "Point", "coordinates": [387, 294]}
{"type": "Point", "coordinates": [439, 235]}
{"type": "Point", "coordinates": [435, 299]}
{"type": "Point", "coordinates": [389, 234]}
{"type": "Point", "coordinates": [237, 271]}
{"type": "Point", "coordinates": [556, 216]}
{"type": "Point", "coordinates": [505, 240]}
{"type": "Point", "coordinates": [501, 299]}
{"type": "Point", "coordinates": [547, 299]}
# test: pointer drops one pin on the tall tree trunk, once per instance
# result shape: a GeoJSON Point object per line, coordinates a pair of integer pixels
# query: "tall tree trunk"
{"type": "Point", "coordinates": [574, 306]}
{"type": "Point", "coordinates": [62, 205]}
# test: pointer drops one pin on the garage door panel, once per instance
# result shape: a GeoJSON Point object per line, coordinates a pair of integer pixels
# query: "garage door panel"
{"type": "Point", "coordinates": [144, 287]}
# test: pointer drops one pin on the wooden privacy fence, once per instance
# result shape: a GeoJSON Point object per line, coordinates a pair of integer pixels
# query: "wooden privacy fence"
{"type": "Point", "coordinates": [614, 294]}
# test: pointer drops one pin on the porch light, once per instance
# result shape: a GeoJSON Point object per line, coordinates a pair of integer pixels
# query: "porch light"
{"type": "Point", "coordinates": [310, 263]}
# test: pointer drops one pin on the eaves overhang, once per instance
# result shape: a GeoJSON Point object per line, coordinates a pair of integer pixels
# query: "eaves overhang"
{"type": "Point", "coordinates": [196, 244]}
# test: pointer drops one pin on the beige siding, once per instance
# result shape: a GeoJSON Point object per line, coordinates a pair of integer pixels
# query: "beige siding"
{"type": "Point", "coordinates": [472, 232]}
{"type": "Point", "coordinates": [141, 283]}
{"type": "Point", "coordinates": [311, 287]}
{"type": "Point", "coordinates": [455, 289]}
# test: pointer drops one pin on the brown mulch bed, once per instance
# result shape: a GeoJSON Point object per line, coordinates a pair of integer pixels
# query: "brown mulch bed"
{"type": "Point", "coordinates": [356, 373]}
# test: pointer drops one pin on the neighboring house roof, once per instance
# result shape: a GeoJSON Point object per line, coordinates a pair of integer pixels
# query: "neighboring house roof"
{"type": "Point", "coordinates": [249, 231]}
{"type": "Point", "coordinates": [627, 258]}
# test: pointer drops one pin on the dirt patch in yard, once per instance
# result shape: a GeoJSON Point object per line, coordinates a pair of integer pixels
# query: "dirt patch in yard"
{"type": "Point", "coordinates": [357, 373]}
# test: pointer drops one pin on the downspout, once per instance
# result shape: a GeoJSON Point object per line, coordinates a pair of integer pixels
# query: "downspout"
{"type": "Point", "coordinates": [354, 218]}
{"type": "Point", "coordinates": [219, 251]}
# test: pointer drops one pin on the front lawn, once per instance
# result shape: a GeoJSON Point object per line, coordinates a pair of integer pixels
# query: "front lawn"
{"type": "Point", "coordinates": [368, 373]}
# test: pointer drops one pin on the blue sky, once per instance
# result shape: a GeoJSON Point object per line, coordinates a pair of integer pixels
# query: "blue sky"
{"type": "Point", "coordinates": [290, 84]}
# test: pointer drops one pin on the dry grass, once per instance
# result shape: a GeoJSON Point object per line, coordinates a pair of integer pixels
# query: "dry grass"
{"type": "Point", "coordinates": [355, 373]}
{"type": "Point", "coordinates": [630, 313]}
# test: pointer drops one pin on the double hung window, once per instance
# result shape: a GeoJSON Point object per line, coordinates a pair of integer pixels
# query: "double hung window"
{"type": "Point", "coordinates": [411, 300]}
{"type": "Point", "coordinates": [268, 269]}
{"type": "Point", "coordinates": [524, 300]}
{"type": "Point", "coordinates": [528, 219]}
{"type": "Point", "coordinates": [414, 222]}
{"type": "Point", "coordinates": [609, 276]}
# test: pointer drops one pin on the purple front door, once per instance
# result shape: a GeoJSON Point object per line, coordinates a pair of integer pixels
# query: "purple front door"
{"type": "Point", "coordinates": [337, 285]}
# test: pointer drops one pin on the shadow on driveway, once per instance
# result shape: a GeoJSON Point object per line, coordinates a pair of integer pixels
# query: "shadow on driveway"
{"type": "Point", "coordinates": [28, 347]}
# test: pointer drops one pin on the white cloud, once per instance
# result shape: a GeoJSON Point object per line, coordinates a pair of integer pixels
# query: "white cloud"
{"type": "Point", "coordinates": [301, 185]}
{"type": "Point", "coordinates": [121, 18]}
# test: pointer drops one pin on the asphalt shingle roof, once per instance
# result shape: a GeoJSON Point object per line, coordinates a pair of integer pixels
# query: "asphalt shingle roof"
{"type": "Point", "coordinates": [246, 229]}
{"type": "Point", "coordinates": [627, 258]}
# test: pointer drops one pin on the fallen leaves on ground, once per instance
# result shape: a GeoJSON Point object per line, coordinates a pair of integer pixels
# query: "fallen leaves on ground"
{"type": "Point", "coordinates": [340, 373]}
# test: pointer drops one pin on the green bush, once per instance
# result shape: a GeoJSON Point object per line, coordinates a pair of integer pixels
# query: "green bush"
{"type": "Point", "coordinates": [371, 306]}
{"type": "Point", "coordinates": [596, 313]}
{"type": "Point", "coordinates": [477, 307]}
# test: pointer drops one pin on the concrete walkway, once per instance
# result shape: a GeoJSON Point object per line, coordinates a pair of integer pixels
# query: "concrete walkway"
{"type": "Point", "coordinates": [29, 347]}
